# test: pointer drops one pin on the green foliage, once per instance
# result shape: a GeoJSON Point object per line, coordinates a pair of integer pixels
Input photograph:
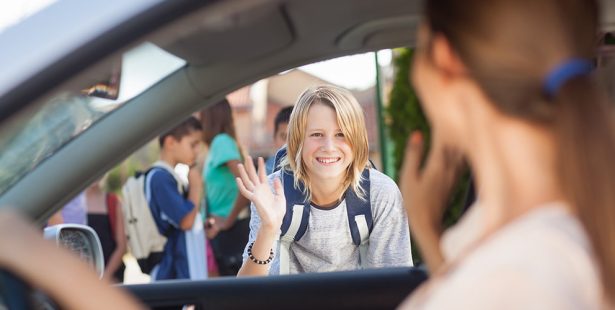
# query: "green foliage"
{"type": "Point", "coordinates": [114, 180]}
{"type": "Point", "coordinates": [404, 112]}
{"type": "Point", "coordinates": [138, 161]}
{"type": "Point", "coordinates": [405, 115]}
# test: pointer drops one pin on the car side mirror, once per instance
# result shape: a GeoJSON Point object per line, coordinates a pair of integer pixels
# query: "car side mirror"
{"type": "Point", "coordinates": [81, 240]}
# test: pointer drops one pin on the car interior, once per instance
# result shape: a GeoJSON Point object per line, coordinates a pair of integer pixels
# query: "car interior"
{"type": "Point", "coordinates": [221, 46]}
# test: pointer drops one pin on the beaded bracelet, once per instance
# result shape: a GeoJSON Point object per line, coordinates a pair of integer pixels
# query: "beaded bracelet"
{"type": "Point", "coordinates": [256, 261]}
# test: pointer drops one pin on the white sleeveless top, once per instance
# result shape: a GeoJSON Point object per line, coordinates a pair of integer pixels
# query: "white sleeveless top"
{"type": "Point", "coordinates": [542, 260]}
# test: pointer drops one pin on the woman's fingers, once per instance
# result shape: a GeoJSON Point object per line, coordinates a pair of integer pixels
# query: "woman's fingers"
{"type": "Point", "coordinates": [453, 162]}
{"type": "Point", "coordinates": [245, 178]}
{"type": "Point", "coordinates": [262, 173]}
{"type": "Point", "coordinates": [412, 160]}
{"type": "Point", "coordinates": [444, 164]}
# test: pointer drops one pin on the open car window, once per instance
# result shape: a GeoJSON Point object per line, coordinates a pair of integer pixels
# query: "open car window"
{"type": "Point", "coordinates": [254, 108]}
{"type": "Point", "coordinates": [40, 132]}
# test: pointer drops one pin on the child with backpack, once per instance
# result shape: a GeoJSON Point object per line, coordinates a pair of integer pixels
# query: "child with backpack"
{"type": "Point", "coordinates": [174, 210]}
{"type": "Point", "coordinates": [325, 209]}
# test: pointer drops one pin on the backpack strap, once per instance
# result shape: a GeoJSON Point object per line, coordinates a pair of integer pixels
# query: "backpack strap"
{"type": "Point", "coordinates": [160, 165]}
{"type": "Point", "coordinates": [295, 222]}
{"type": "Point", "coordinates": [360, 217]}
{"type": "Point", "coordinates": [278, 158]}
{"type": "Point", "coordinates": [147, 180]}
{"type": "Point", "coordinates": [164, 166]}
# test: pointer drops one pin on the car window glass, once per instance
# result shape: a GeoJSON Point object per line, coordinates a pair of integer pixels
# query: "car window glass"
{"type": "Point", "coordinates": [14, 12]}
{"type": "Point", "coordinates": [40, 132]}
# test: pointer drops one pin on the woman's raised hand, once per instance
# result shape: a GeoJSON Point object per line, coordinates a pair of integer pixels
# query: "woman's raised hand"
{"type": "Point", "coordinates": [426, 192]}
{"type": "Point", "coordinates": [270, 205]}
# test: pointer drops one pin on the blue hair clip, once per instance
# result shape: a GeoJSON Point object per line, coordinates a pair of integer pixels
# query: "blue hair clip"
{"type": "Point", "coordinates": [564, 72]}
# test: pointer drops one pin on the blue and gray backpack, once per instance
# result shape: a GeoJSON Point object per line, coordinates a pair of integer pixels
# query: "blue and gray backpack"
{"type": "Point", "coordinates": [295, 221]}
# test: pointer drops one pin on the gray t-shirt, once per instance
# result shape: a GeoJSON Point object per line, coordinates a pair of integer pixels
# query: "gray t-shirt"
{"type": "Point", "coordinates": [327, 243]}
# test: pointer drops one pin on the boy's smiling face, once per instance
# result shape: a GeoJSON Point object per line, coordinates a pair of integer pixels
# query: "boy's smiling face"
{"type": "Point", "coordinates": [326, 151]}
{"type": "Point", "coordinates": [187, 148]}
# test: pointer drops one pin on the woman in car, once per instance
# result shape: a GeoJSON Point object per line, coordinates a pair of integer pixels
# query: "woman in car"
{"type": "Point", "coordinates": [508, 86]}
{"type": "Point", "coordinates": [334, 211]}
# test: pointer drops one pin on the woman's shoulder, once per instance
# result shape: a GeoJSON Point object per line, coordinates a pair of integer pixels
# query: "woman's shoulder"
{"type": "Point", "coordinates": [551, 226]}
{"type": "Point", "coordinates": [548, 249]}
{"type": "Point", "coordinates": [538, 237]}
{"type": "Point", "coordinates": [541, 260]}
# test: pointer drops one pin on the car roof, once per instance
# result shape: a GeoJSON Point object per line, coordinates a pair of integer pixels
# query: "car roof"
{"type": "Point", "coordinates": [226, 44]}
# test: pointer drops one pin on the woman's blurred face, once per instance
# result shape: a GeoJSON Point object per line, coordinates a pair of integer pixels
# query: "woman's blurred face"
{"type": "Point", "coordinates": [434, 88]}
{"type": "Point", "coordinates": [424, 77]}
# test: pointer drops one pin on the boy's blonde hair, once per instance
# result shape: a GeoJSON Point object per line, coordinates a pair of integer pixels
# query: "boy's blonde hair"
{"type": "Point", "coordinates": [350, 119]}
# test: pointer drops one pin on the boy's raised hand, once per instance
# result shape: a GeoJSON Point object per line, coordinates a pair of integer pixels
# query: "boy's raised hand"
{"type": "Point", "coordinates": [270, 205]}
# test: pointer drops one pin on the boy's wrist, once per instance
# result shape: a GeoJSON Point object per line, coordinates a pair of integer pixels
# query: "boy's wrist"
{"type": "Point", "coordinates": [268, 232]}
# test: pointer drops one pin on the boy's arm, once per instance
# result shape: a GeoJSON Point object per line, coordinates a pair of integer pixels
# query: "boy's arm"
{"type": "Point", "coordinates": [389, 241]}
{"type": "Point", "coordinates": [195, 189]}
{"type": "Point", "coordinates": [171, 206]}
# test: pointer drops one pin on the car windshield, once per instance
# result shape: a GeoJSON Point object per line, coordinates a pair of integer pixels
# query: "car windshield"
{"type": "Point", "coordinates": [40, 132]}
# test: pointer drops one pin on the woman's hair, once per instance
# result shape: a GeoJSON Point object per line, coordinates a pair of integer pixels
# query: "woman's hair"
{"type": "Point", "coordinates": [351, 121]}
{"type": "Point", "coordinates": [216, 119]}
{"type": "Point", "coordinates": [509, 47]}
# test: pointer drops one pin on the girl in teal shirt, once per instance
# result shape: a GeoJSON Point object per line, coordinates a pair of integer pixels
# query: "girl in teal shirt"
{"type": "Point", "coordinates": [224, 203]}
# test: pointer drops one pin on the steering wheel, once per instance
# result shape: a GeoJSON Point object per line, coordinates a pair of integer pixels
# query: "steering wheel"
{"type": "Point", "coordinates": [15, 293]}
